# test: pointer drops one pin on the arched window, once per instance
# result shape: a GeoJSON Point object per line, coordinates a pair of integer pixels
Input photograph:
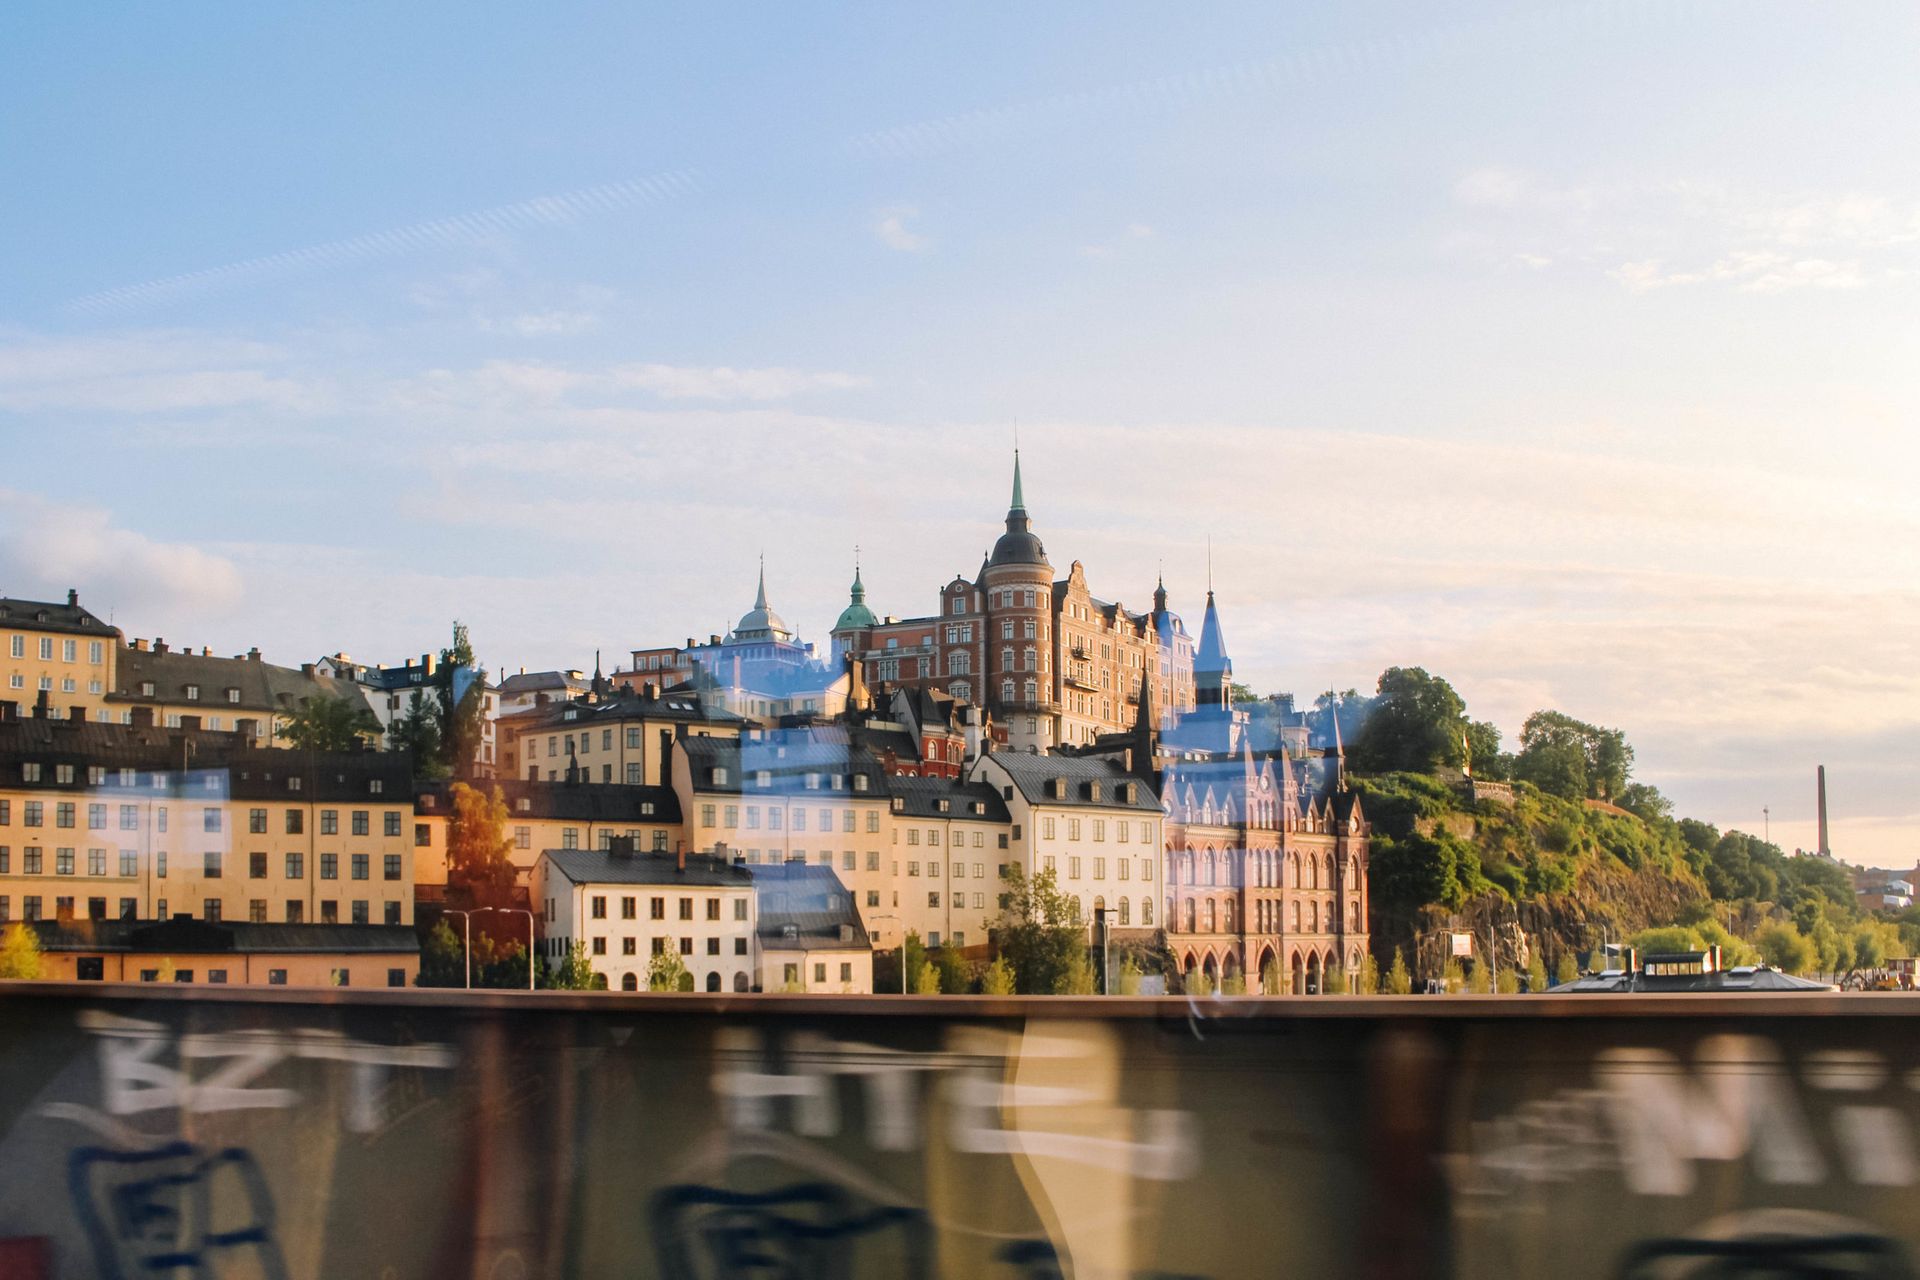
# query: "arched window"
{"type": "Point", "coordinates": [1296, 917]}
{"type": "Point", "coordinates": [1293, 860]}
{"type": "Point", "coordinates": [1006, 690]}
{"type": "Point", "coordinates": [1313, 917]}
{"type": "Point", "coordinates": [1353, 913]}
{"type": "Point", "coordinates": [713, 982]}
{"type": "Point", "coordinates": [1146, 911]}
{"type": "Point", "coordinates": [1213, 922]}
{"type": "Point", "coordinates": [629, 983]}
{"type": "Point", "coordinates": [1126, 916]}
{"type": "Point", "coordinates": [1033, 691]}
{"type": "Point", "coordinates": [1227, 913]}
{"type": "Point", "coordinates": [959, 662]}
{"type": "Point", "coordinates": [739, 982]}
{"type": "Point", "coordinates": [1191, 909]}
{"type": "Point", "coordinates": [1099, 905]}
{"type": "Point", "coordinates": [1330, 871]}
{"type": "Point", "coordinates": [1313, 872]}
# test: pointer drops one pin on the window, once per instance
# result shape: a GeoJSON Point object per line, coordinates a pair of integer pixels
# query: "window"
{"type": "Point", "coordinates": [360, 822]}
{"type": "Point", "coordinates": [96, 817]}
{"type": "Point", "coordinates": [129, 862]}
{"type": "Point", "coordinates": [257, 910]}
{"type": "Point", "coordinates": [686, 946]}
{"type": "Point", "coordinates": [686, 908]}
{"type": "Point", "coordinates": [329, 866]}
{"type": "Point", "coordinates": [523, 837]}
{"type": "Point", "coordinates": [329, 822]}
{"type": "Point", "coordinates": [597, 907]}
{"type": "Point", "coordinates": [360, 866]}
{"type": "Point", "coordinates": [933, 899]}
{"type": "Point", "coordinates": [1073, 868]}
{"type": "Point", "coordinates": [296, 821]}
{"type": "Point", "coordinates": [392, 866]}
{"type": "Point", "coordinates": [256, 866]}
{"type": "Point", "coordinates": [392, 826]}
{"type": "Point", "coordinates": [257, 822]}
{"type": "Point", "coordinates": [713, 908]}
{"type": "Point", "coordinates": [657, 909]}
{"type": "Point", "coordinates": [359, 910]}
{"type": "Point", "coordinates": [63, 812]}
{"type": "Point", "coordinates": [599, 946]}
{"type": "Point", "coordinates": [296, 911]}
{"type": "Point", "coordinates": [210, 909]}
{"type": "Point", "coordinates": [210, 868]}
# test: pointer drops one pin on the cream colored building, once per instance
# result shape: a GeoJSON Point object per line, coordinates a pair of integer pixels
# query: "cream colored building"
{"type": "Point", "coordinates": [55, 655]}
{"type": "Point", "coordinates": [625, 907]}
{"type": "Point", "coordinates": [950, 840]}
{"type": "Point", "coordinates": [1096, 827]}
{"type": "Point", "coordinates": [624, 738]}
{"type": "Point", "coordinates": [228, 953]}
{"type": "Point", "coordinates": [174, 688]}
{"type": "Point", "coordinates": [811, 938]}
{"type": "Point", "coordinates": [550, 815]}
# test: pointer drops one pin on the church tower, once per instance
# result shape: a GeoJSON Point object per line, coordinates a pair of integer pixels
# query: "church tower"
{"type": "Point", "coordinates": [1018, 582]}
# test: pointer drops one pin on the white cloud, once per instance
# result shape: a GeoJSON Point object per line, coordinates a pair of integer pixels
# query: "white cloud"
{"type": "Point", "coordinates": [47, 548]}
{"type": "Point", "coordinates": [679, 382]}
{"type": "Point", "coordinates": [892, 229]}
{"type": "Point", "coordinates": [148, 372]}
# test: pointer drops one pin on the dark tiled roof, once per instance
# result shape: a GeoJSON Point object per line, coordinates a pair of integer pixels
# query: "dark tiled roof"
{"type": "Point", "coordinates": [603, 866]}
{"type": "Point", "coordinates": [921, 797]}
{"type": "Point", "coordinates": [202, 937]}
{"type": "Point", "coordinates": [621, 706]}
{"type": "Point", "coordinates": [188, 757]}
{"type": "Point", "coordinates": [263, 686]}
{"type": "Point", "coordinates": [584, 801]}
{"type": "Point", "coordinates": [538, 681]}
{"type": "Point", "coordinates": [787, 757]}
{"type": "Point", "coordinates": [46, 615]}
{"type": "Point", "coordinates": [1032, 774]}
{"type": "Point", "coordinates": [811, 903]}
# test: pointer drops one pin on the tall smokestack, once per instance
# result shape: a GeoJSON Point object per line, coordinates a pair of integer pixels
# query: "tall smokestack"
{"type": "Point", "coordinates": [1825, 850]}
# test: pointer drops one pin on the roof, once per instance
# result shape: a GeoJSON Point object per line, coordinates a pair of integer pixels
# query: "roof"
{"type": "Point", "coordinates": [789, 759]}
{"type": "Point", "coordinates": [1019, 544]}
{"type": "Point", "coordinates": [1032, 774]}
{"type": "Point", "coordinates": [921, 797]}
{"type": "Point", "coordinates": [805, 908]}
{"type": "Point", "coordinates": [1211, 658]}
{"type": "Point", "coordinates": [46, 615]}
{"type": "Point", "coordinates": [183, 757]}
{"type": "Point", "coordinates": [582, 801]}
{"type": "Point", "coordinates": [856, 616]}
{"type": "Point", "coordinates": [624, 704]}
{"type": "Point", "coordinates": [531, 681]}
{"type": "Point", "coordinates": [187, 936]}
{"type": "Point", "coordinates": [262, 685]}
{"type": "Point", "coordinates": [604, 866]}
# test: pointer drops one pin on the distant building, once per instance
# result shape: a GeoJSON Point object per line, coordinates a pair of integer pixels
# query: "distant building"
{"type": "Point", "coordinates": [1683, 971]}
{"type": "Point", "coordinates": [57, 656]}
{"type": "Point", "coordinates": [624, 908]}
{"type": "Point", "coordinates": [618, 737]}
{"type": "Point", "coordinates": [182, 689]}
{"type": "Point", "coordinates": [810, 936]}
{"type": "Point", "coordinates": [548, 815]}
{"type": "Point", "coordinates": [229, 952]}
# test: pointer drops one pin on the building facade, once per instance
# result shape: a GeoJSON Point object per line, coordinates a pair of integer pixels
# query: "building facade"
{"type": "Point", "coordinates": [57, 657]}
{"type": "Point", "coordinates": [625, 907]}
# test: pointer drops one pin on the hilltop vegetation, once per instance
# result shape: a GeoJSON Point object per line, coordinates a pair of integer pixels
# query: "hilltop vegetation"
{"type": "Point", "coordinates": [1583, 854]}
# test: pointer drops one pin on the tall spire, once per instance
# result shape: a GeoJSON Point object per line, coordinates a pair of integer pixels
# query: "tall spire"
{"type": "Point", "coordinates": [1019, 499]}
{"type": "Point", "coordinates": [760, 599]}
{"type": "Point", "coordinates": [1212, 668]}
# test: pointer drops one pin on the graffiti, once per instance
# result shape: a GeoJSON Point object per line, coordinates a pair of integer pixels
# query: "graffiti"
{"type": "Point", "coordinates": [133, 1078]}
{"type": "Point", "coordinates": [177, 1210]}
{"type": "Point", "coordinates": [805, 1230]}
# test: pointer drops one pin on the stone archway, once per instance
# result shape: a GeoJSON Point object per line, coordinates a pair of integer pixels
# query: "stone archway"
{"type": "Point", "coordinates": [1297, 982]}
{"type": "Point", "coordinates": [1267, 959]}
{"type": "Point", "coordinates": [1313, 974]}
{"type": "Point", "coordinates": [1230, 968]}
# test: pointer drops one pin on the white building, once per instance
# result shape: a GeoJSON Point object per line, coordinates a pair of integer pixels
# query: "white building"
{"type": "Point", "coordinates": [627, 907]}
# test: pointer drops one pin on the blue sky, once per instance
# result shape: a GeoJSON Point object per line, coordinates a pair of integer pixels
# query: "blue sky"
{"type": "Point", "coordinates": [1568, 351]}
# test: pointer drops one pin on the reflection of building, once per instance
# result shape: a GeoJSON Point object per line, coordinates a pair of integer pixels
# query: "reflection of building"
{"type": "Point", "coordinates": [625, 907]}
{"type": "Point", "coordinates": [810, 937]}
{"type": "Point", "coordinates": [1053, 663]}
{"type": "Point", "coordinates": [144, 826]}
{"type": "Point", "coordinates": [59, 656]}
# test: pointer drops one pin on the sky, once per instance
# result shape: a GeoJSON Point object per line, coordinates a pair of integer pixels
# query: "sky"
{"type": "Point", "coordinates": [1568, 351]}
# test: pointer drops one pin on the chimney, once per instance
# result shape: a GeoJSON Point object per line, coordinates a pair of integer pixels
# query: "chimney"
{"type": "Point", "coordinates": [143, 717]}
{"type": "Point", "coordinates": [159, 645]}
{"type": "Point", "coordinates": [140, 646]}
{"type": "Point", "coordinates": [76, 715]}
{"type": "Point", "coordinates": [73, 598]}
{"type": "Point", "coordinates": [680, 853]}
{"type": "Point", "coordinates": [42, 708]}
{"type": "Point", "coordinates": [253, 654]}
{"type": "Point", "coordinates": [306, 669]}
{"type": "Point", "coordinates": [9, 711]}
{"type": "Point", "coordinates": [1826, 850]}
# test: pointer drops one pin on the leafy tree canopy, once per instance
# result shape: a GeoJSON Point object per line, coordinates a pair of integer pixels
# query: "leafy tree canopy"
{"type": "Point", "coordinates": [1418, 723]}
{"type": "Point", "coordinates": [1039, 933]}
{"type": "Point", "coordinates": [322, 723]}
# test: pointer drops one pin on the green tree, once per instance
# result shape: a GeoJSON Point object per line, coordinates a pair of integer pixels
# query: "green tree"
{"type": "Point", "coordinates": [1234, 984]}
{"type": "Point", "coordinates": [956, 979]}
{"type": "Point", "coordinates": [1270, 981]}
{"type": "Point", "coordinates": [1369, 980]}
{"type": "Point", "coordinates": [418, 733]}
{"type": "Point", "coordinates": [20, 953]}
{"type": "Point", "coordinates": [1568, 970]}
{"type": "Point", "coordinates": [1537, 972]}
{"type": "Point", "coordinates": [1199, 984]}
{"type": "Point", "coordinates": [442, 963]}
{"type": "Point", "coordinates": [666, 970]}
{"type": "Point", "coordinates": [1040, 932]}
{"type": "Point", "coordinates": [914, 952]}
{"type": "Point", "coordinates": [1480, 980]}
{"type": "Point", "coordinates": [1418, 723]}
{"type": "Point", "coordinates": [1484, 755]}
{"type": "Point", "coordinates": [1507, 982]}
{"type": "Point", "coordinates": [1335, 981]}
{"type": "Point", "coordinates": [998, 980]}
{"type": "Point", "coordinates": [1079, 978]}
{"type": "Point", "coordinates": [322, 723]}
{"type": "Point", "coordinates": [479, 846]}
{"type": "Point", "coordinates": [1129, 977]}
{"type": "Point", "coordinates": [1572, 759]}
{"type": "Point", "coordinates": [575, 973]}
{"type": "Point", "coordinates": [1453, 977]}
{"type": "Point", "coordinates": [1399, 981]}
{"type": "Point", "coordinates": [1783, 946]}
{"type": "Point", "coordinates": [927, 981]}
{"type": "Point", "coordinates": [461, 720]}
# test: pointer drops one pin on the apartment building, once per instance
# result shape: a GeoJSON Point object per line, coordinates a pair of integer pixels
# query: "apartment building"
{"type": "Point", "coordinates": [625, 907]}
{"type": "Point", "coordinates": [59, 657]}
{"type": "Point", "coordinates": [549, 815]}
{"type": "Point", "coordinates": [949, 842]}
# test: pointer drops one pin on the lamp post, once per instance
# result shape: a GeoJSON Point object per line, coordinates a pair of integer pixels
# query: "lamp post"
{"type": "Point", "coordinates": [518, 911]}
{"type": "Point", "coordinates": [466, 951]}
{"type": "Point", "coordinates": [903, 947]}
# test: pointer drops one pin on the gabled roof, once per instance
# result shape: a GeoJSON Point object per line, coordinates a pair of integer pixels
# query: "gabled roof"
{"type": "Point", "coordinates": [787, 757]}
{"type": "Point", "coordinates": [540, 681]}
{"type": "Point", "coordinates": [263, 687]}
{"type": "Point", "coordinates": [921, 798]}
{"type": "Point", "coordinates": [806, 908]}
{"type": "Point", "coordinates": [604, 866]}
{"type": "Point", "coordinates": [1034, 775]}
{"type": "Point", "coordinates": [68, 618]}
{"type": "Point", "coordinates": [580, 801]}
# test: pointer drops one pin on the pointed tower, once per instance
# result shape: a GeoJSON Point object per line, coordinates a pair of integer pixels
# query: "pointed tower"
{"type": "Point", "coordinates": [1017, 581]}
{"type": "Point", "coordinates": [599, 685]}
{"type": "Point", "coordinates": [1146, 732]}
{"type": "Point", "coordinates": [761, 622]}
{"type": "Point", "coordinates": [856, 621]}
{"type": "Point", "coordinates": [1212, 668]}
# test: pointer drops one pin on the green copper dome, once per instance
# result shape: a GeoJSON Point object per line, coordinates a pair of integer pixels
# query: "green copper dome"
{"type": "Point", "coordinates": [856, 616]}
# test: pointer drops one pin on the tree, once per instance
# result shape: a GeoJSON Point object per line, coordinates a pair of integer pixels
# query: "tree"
{"type": "Point", "coordinates": [1418, 724]}
{"type": "Point", "coordinates": [998, 980]}
{"type": "Point", "coordinates": [1368, 983]}
{"type": "Point", "coordinates": [1488, 761]}
{"type": "Point", "coordinates": [1199, 984]}
{"type": "Point", "coordinates": [1234, 984]}
{"type": "Point", "coordinates": [1480, 981]}
{"type": "Point", "coordinates": [1572, 759]}
{"type": "Point", "coordinates": [956, 979]}
{"type": "Point", "coordinates": [666, 970]}
{"type": "Point", "coordinates": [575, 973]}
{"type": "Point", "coordinates": [479, 848]}
{"type": "Point", "coordinates": [441, 962]}
{"type": "Point", "coordinates": [1079, 978]}
{"type": "Point", "coordinates": [1568, 969]}
{"type": "Point", "coordinates": [1537, 972]}
{"type": "Point", "coordinates": [1335, 981]}
{"type": "Point", "coordinates": [1039, 932]}
{"type": "Point", "coordinates": [1453, 977]}
{"type": "Point", "coordinates": [914, 953]}
{"type": "Point", "coordinates": [460, 692]}
{"type": "Point", "coordinates": [322, 723]}
{"type": "Point", "coordinates": [1507, 983]}
{"type": "Point", "coordinates": [927, 981]}
{"type": "Point", "coordinates": [1399, 981]}
{"type": "Point", "coordinates": [20, 953]}
{"type": "Point", "coordinates": [1782, 945]}
{"type": "Point", "coordinates": [418, 733]}
{"type": "Point", "coordinates": [1270, 980]}
{"type": "Point", "coordinates": [1129, 977]}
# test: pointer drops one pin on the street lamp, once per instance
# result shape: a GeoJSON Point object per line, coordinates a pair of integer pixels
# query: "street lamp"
{"type": "Point", "coordinates": [903, 946]}
{"type": "Point", "coordinates": [466, 951]}
{"type": "Point", "coordinates": [518, 911]}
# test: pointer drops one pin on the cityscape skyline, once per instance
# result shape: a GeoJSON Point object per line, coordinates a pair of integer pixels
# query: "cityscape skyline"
{"type": "Point", "coordinates": [1464, 358]}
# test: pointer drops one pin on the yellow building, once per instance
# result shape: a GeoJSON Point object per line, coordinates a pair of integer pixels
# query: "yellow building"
{"type": "Point", "coordinates": [57, 656]}
{"type": "Point", "coordinates": [549, 815]}
{"type": "Point", "coordinates": [183, 689]}
{"type": "Point", "coordinates": [260, 955]}
{"type": "Point", "coordinates": [949, 842]}
{"type": "Point", "coordinates": [108, 822]}
{"type": "Point", "coordinates": [623, 738]}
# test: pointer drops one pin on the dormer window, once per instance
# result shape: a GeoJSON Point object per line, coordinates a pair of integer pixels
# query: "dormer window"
{"type": "Point", "coordinates": [646, 808]}
{"type": "Point", "coordinates": [293, 784]}
{"type": "Point", "coordinates": [523, 805]}
{"type": "Point", "coordinates": [146, 688]}
{"type": "Point", "coordinates": [762, 778]}
{"type": "Point", "coordinates": [426, 802]}
{"type": "Point", "coordinates": [233, 695]}
{"type": "Point", "coordinates": [860, 782]}
{"type": "Point", "coordinates": [1093, 792]}
{"type": "Point", "coordinates": [813, 782]}
{"type": "Point", "coordinates": [193, 693]}
{"type": "Point", "coordinates": [719, 776]}
{"type": "Point", "coordinates": [838, 782]}
{"type": "Point", "coordinates": [899, 805]}
{"type": "Point", "coordinates": [945, 805]}
{"type": "Point", "coordinates": [376, 785]}
{"type": "Point", "coordinates": [571, 715]}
